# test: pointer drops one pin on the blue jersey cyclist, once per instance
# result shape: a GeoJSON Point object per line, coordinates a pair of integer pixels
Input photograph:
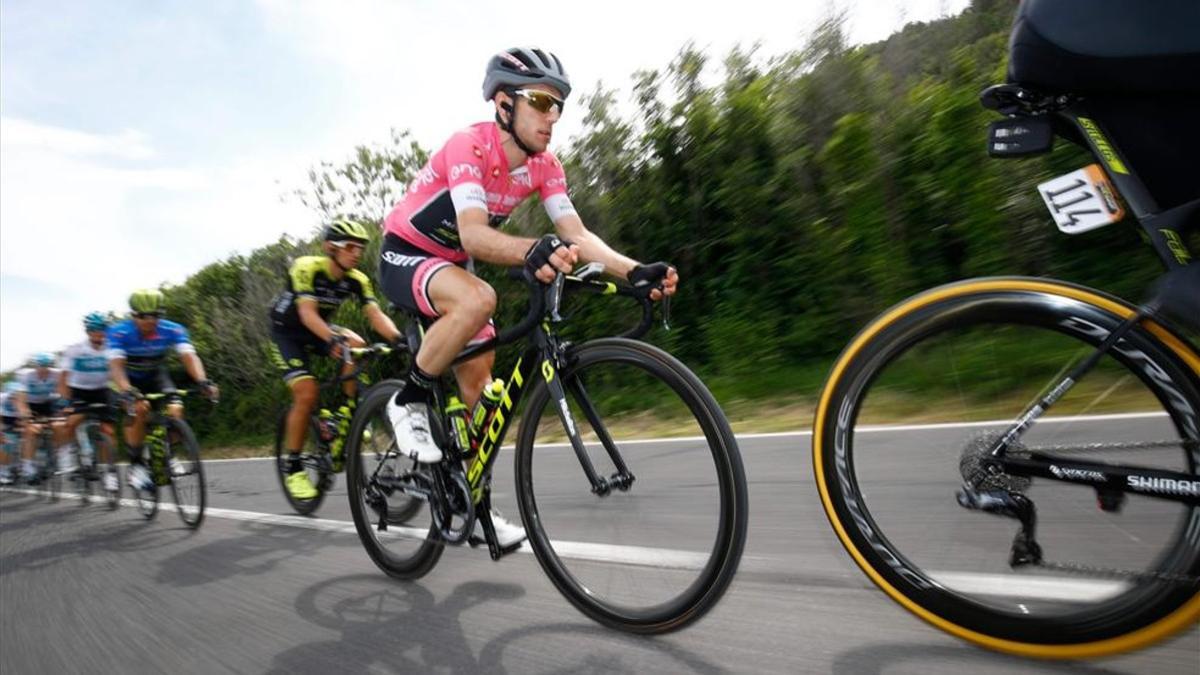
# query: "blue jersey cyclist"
{"type": "Point", "coordinates": [316, 287]}
{"type": "Point", "coordinates": [137, 350]}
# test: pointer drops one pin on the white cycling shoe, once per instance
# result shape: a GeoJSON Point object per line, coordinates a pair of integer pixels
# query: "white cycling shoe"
{"type": "Point", "coordinates": [111, 483]}
{"type": "Point", "coordinates": [410, 422]}
{"type": "Point", "coordinates": [507, 534]}
{"type": "Point", "coordinates": [66, 462]}
{"type": "Point", "coordinates": [138, 477]}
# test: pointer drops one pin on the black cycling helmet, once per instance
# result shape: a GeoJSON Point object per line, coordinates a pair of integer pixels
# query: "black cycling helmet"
{"type": "Point", "coordinates": [524, 65]}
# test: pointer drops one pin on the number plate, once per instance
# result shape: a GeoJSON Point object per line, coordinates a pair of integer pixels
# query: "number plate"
{"type": "Point", "coordinates": [1082, 200]}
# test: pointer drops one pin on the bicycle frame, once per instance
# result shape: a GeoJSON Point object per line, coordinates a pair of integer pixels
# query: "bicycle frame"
{"type": "Point", "coordinates": [1164, 228]}
{"type": "Point", "coordinates": [1164, 232]}
{"type": "Point", "coordinates": [544, 350]}
{"type": "Point", "coordinates": [546, 356]}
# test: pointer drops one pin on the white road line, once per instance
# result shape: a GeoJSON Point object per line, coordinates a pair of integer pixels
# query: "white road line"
{"type": "Point", "coordinates": [997, 585]}
{"type": "Point", "coordinates": [874, 428]}
{"type": "Point", "coordinates": [1025, 586]}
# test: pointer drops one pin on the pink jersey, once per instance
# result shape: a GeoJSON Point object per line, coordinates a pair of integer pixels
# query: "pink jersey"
{"type": "Point", "coordinates": [471, 171]}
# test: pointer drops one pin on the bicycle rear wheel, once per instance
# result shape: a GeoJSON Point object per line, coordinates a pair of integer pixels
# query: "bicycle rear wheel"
{"type": "Point", "coordinates": [182, 455]}
{"type": "Point", "coordinates": [396, 529]}
{"type": "Point", "coordinates": [925, 390]}
{"type": "Point", "coordinates": [659, 555]}
{"type": "Point", "coordinates": [315, 463]}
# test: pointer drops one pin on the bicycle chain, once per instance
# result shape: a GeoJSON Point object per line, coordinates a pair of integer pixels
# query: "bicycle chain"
{"type": "Point", "coordinates": [1099, 447]}
{"type": "Point", "coordinates": [1113, 573]}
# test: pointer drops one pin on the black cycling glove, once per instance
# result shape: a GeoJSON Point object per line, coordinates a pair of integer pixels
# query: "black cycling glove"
{"type": "Point", "coordinates": [539, 254]}
{"type": "Point", "coordinates": [652, 274]}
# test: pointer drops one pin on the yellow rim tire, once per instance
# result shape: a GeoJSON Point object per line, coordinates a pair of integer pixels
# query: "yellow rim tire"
{"type": "Point", "coordinates": [830, 406]}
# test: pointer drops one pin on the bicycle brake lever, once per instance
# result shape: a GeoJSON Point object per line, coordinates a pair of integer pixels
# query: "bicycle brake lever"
{"type": "Point", "coordinates": [666, 312]}
{"type": "Point", "coordinates": [555, 293]}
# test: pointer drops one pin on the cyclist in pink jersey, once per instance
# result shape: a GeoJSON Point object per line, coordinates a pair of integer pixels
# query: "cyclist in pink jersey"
{"type": "Point", "coordinates": [449, 217]}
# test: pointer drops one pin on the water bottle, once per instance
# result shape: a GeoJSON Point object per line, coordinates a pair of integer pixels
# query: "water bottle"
{"type": "Point", "coordinates": [456, 410]}
{"type": "Point", "coordinates": [327, 425]}
{"type": "Point", "coordinates": [488, 401]}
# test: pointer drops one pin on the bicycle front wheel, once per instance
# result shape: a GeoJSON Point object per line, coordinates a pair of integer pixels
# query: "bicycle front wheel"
{"type": "Point", "coordinates": [925, 391]}
{"type": "Point", "coordinates": [186, 472]}
{"type": "Point", "coordinates": [395, 528]}
{"type": "Point", "coordinates": [658, 555]}
{"type": "Point", "coordinates": [103, 445]}
{"type": "Point", "coordinates": [314, 462]}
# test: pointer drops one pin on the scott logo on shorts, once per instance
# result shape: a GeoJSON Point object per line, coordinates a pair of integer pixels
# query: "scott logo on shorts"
{"type": "Point", "coordinates": [401, 260]}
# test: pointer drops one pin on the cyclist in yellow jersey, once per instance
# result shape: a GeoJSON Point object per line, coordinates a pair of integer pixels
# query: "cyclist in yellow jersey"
{"type": "Point", "coordinates": [316, 287]}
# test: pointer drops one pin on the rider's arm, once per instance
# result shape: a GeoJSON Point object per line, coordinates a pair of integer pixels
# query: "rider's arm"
{"type": "Point", "coordinates": [116, 370]}
{"type": "Point", "coordinates": [22, 404]}
{"type": "Point", "coordinates": [489, 245]}
{"type": "Point", "coordinates": [593, 248]}
{"type": "Point", "coordinates": [64, 392]}
{"type": "Point", "coordinates": [306, 309]}
{"type": "Point", "coordinates": [381, 323]}
{"type": "Point", "coordinates": [193, 366]}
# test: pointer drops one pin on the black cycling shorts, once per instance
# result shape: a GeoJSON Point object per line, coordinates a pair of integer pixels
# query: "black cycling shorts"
{"type": "Point", "coordinates": [84, 397]}
{"type": "Point", "coordinates": [41, 409]}
{"type": "Point", "coordinates": [156, 382]}
{"type": "Point", "coordinates": [404, 274]}
{"type": "Point", "coordinates": [290, 353]}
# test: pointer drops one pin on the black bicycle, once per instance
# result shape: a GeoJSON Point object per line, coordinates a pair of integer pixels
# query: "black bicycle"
{"type": "Point", "coordinates": [1071, 414]}
{"type": "Point", "coordinates": [641, 535]}
{"type": "Point", "coordinates": [323, 456]}
{"type": "Point", "coordinates": [46, 477]}
{"type": "Point", "coordinates": [173, 459]}
{"type": "Point", "coordinates": [102, 446]}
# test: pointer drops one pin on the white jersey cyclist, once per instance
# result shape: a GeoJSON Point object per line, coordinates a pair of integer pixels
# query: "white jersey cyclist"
{"type": "Point", "coordinates": [86, 366]}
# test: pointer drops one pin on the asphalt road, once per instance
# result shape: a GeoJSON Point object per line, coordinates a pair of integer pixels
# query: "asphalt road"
{"type": "Point", "coordinates": [87, 590]}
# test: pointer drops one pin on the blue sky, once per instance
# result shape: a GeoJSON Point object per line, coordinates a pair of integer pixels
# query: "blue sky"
{"type": "Point", "coordinates": [141, 140]}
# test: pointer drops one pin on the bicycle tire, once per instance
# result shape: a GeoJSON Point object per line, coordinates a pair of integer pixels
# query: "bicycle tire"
{"type": "Point", "coordinates": [674, 540]}
{"type": "Point", "coordinates": [147, 500]}
{"type": "Point", "coordinates": [187, 483]}
{"type": "Point", "coordinates": [410, 547]}
{"type": "Point", "coordinates": [103, 445]}
{"type": "Point", "coordinates": [1150, 366]}
{"type": "Point", "coordinates": [52, 479]}
{"type": "Point", "coordinates": [312, 451]}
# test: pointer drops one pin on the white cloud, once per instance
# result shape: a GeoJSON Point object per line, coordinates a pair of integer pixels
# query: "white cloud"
{"type": "Point", "coordinates": [72, 220]}
{"type": "Point", "coordinates": [18, 133]}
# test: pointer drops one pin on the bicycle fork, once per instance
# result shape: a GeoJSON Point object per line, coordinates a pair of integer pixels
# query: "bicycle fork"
{"type": "Point", "coordinates": [621, 480]}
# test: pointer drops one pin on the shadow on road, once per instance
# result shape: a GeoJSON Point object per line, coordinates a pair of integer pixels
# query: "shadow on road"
{"type": "Point", "coordinates": [259, 551]}
{"type": "Point", "coordinates": [402, 627]}
{"type": "Point", "coordinates": [124, 536]}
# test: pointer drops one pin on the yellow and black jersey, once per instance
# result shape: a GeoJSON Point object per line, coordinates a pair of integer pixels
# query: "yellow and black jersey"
{"type": "Point", "coordinates": [309, 279]}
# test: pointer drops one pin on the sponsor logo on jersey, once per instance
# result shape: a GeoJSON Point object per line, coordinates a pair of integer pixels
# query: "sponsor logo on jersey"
{"type": "Point", "coordinates": [556, 182]}
{"type": "Point", "coordinates": [426, 176]}
{"type": "Point", "coordinates": [458, 170]}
